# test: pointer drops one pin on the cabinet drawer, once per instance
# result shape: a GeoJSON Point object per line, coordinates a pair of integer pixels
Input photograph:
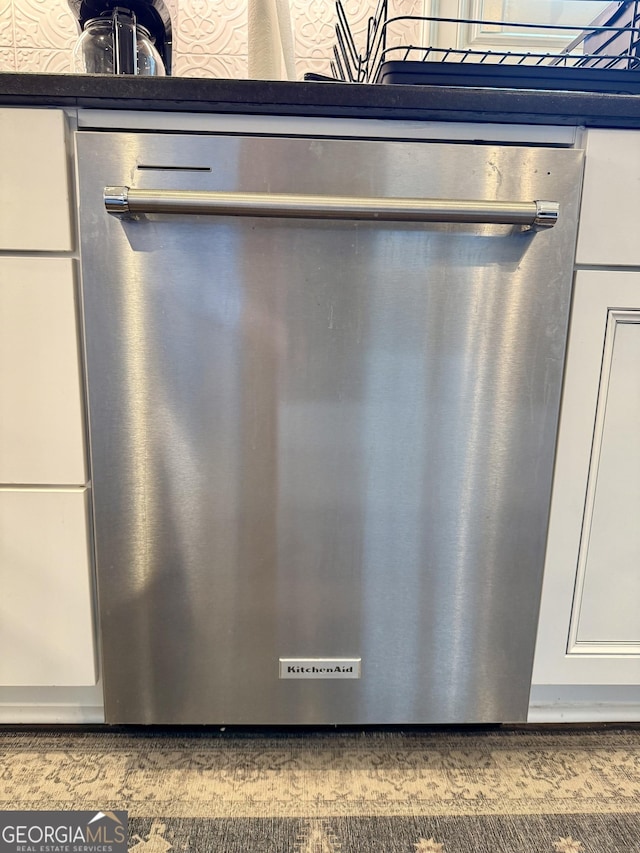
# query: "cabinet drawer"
{"type": "Point", "coordinates": [46, 624]}
{"type": "Point", "coordinates": [34, 181]}
{"type": "Point", "coordinates": [610, 216]}
{"type": "Point", "coordinates": [41, 408]}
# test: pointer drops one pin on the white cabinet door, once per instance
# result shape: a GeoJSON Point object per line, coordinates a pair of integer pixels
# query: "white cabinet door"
{"type": "Point", "coordinates": [46, 625]}
{"type": "Point", "coordinates": [589, 630]}
{"type": "Point", "coordinates": [34, 181]}
{"type": "Point", "coordinates": [41, 407]}
{"type": "Point", "coordinates": [607, 605]}
{"type": "Point", "coordinates": [610, 216]}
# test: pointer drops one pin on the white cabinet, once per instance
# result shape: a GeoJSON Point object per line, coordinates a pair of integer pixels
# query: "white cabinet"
{"type": "Point", "coordinates": [610, 215]}
{"type": "Point", "coordinates": [41, 407]}
{"type": "Point", "coordinates": [35, 213]}
{"type": "Point", "coordinates": [46, 631]}
{"type": "Point", "coordinates": [590, 617]}
{"type": "Point", "coordinates": [587, 664]}
{"type": "Point", "coordinates": [47, 643]}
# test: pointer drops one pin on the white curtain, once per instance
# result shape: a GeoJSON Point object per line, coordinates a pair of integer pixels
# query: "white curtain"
{"type": "Point", "coordinates": [271, 52]}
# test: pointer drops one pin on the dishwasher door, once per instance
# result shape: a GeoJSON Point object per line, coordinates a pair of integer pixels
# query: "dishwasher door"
{"type": "Point", "coordinates": [321, 448]}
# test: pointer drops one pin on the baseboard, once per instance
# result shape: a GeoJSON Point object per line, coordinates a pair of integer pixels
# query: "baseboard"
{"type": "Point", "coordinates": [570, 703]}
{"type": "Point", "coordinates": [51, 705]}
{"type": "Point", "coordinates": [550, 703]}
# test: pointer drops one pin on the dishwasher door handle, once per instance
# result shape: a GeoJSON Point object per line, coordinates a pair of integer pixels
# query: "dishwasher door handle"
{"type": "Point", "coordinates": [127, 203]}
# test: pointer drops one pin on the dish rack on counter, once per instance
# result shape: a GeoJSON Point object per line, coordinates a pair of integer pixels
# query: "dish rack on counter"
{"type": "Point", "coordinates": [604, 56]}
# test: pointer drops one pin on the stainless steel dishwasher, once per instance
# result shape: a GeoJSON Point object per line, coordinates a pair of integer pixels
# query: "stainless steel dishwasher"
{"type": "Point", "coordinates": [323, 380]}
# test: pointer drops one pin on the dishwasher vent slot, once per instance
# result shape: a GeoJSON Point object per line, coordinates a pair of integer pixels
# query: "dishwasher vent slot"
{"type": "Point", "coordinates": [148, 168]}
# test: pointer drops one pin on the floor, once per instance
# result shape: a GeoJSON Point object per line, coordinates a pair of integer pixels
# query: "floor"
{"type": "Point", "coordinates": [489, 790]}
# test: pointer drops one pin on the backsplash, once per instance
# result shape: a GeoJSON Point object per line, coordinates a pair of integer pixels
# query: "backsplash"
{"type": "Point", "coordinates": [210, 36]}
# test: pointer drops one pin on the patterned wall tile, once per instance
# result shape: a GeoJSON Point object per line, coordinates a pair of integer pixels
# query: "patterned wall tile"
{"type": "Point", "coordinates": [315, 33]}
{"type": "Point", "coordinates": [407, 31]}
{"type": "Point", "coordinates": [7, 59]}
{"type": "Point", "coordinates": [44, 24]}
{"type": "Point", "coordinates": [213, 27]}
{"type": "Point", "coordinates": [6, 23]}
{"type": "Point", "coordinates": [47, 61]}
{"type": "Point", "coordinates": [313, 24]}
{"type": "Point", "coordinates": [210, 36]}
{"type": "Point", "coordinates": [202, 65]}
{"type": "Point", "coordinates": [315, 66]}
{"type": "Point", "coordinates": [358, 13]}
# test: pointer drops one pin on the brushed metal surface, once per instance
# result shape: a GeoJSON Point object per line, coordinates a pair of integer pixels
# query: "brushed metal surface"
{"type": "Point", "coordinates": [125, 202]}
{"type": "Point", "coordinates": [318, 439]}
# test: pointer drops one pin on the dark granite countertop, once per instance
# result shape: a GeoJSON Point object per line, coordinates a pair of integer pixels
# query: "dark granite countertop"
{"type": "Point", "coordinates": [434, 103]}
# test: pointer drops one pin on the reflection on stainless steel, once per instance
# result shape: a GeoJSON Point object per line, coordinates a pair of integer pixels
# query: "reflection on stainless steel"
{"type": "Point", "coordinates": [122, 201]}
{"type": "Point", "coordinates": [321, 440]}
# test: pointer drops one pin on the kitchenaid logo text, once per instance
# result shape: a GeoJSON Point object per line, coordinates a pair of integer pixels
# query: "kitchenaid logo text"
{"type": "Point", "coordinates": [63, 832]}
{"type": "Point", "coordinates": [320, 667]}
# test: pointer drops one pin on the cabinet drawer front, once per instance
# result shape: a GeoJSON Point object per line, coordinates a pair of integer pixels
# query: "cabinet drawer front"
{"type": "Point", "coordinates": [34, 181]}
{"type": "Point", "coordinates": [610, 217]}
{"type": "Point", "coordinates": [41, 409]}
{"type": "Point", "coordinates": [46, 625]}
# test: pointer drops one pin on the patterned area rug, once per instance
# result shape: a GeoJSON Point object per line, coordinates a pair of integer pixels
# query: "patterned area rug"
{"type": "Point", "coordinates": [519, 790]}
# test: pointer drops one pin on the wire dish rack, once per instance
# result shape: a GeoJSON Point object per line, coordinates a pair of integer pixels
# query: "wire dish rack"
{"type": "Point", "coordinates": [604, 56]}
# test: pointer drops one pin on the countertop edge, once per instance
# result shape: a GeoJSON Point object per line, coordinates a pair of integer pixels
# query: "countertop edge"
{"type": "Point", "coordinates": [334, 100]}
